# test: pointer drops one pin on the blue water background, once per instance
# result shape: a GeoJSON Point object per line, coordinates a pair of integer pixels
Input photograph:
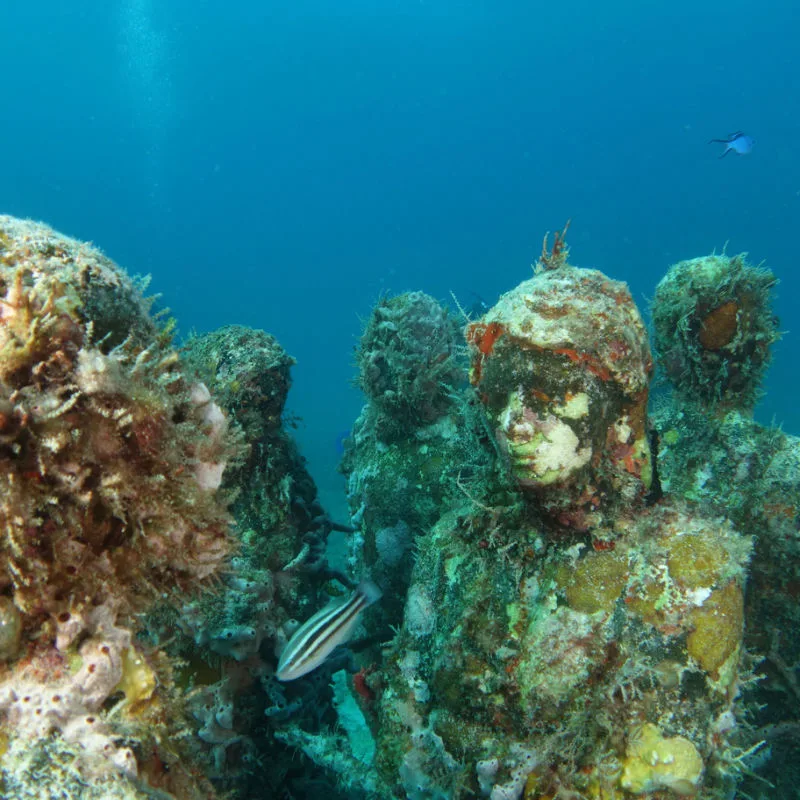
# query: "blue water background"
{"type": "Point", "coordinates": [281, 164]}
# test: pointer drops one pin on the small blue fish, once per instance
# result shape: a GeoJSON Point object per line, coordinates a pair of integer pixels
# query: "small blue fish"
{"type": "Point", "coordinates": [478, 308]}
{"type": "Point", "coordinates": [738, 143]}
{"type": "Point", "coordinates": [316, 639]}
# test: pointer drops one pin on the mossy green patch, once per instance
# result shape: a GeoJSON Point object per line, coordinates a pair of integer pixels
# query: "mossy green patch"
{"type": "Point", "coordinates": [597, 582]}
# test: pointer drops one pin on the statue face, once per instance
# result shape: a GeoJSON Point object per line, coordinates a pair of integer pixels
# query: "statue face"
{"type": "Point", "coordinates": [545, 441]}
{"type": "Point", "coordinates": [562, 364]}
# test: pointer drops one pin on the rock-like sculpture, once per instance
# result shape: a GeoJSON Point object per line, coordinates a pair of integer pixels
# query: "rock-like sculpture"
{"type": "Point", "coordinates": [562, 364]}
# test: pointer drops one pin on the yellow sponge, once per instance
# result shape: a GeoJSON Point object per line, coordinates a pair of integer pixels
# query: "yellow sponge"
{"type": "Point", "coordinates": [654, 763]}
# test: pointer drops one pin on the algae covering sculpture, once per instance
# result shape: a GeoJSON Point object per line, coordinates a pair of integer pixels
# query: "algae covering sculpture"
{"type": "Point", "coordinates": [563, 365]}
{"type": "Point", "coordinates": [714, 327]}
{"type": "Point", "coordinates": [110, 461]}
{"type": "Point", "coordinates": [416, 441]}
{"type": "Point", "coordinates": [561, 628]}
{"type": "Point", "coordinates": [585, 640]}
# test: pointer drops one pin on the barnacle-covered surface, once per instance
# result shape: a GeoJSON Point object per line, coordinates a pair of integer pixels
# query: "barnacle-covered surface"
{"type": "Point", "coordinates": [110, 461]}
{"type": "Point", "coordinates": [406, 460]}
{"type": "Point", "coordinates": [714, 327]}
{"type": "Point", "coordinates": [556, 622]}
{"type": "Point", "coordinates": [562, 364]}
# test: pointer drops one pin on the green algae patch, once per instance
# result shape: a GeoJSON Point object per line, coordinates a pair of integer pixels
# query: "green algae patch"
{"type": "Point", "coordinates": [717, 629]}
{"type": "Point", "coordinates": [597, 582]}
{"type": "Point", "coordinates": [696, 561]}
{"type": "Point", "coordinates": [649, 602]}
{"type": "Point", "coordinates": [517, 618]}
{"type": "Point", "coordinates": [452, 566]}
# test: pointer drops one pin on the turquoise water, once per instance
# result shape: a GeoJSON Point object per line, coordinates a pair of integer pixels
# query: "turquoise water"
{"type": "Point", "coordinates": [281, 164]}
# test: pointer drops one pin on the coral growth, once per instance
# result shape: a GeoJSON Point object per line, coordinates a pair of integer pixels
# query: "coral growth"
{"type": "Point", "coordinates": [714, 328]}
{"type": "Point", "coordinates": [110, 455]}
{"type": "Point", "coordinates": [654, 762]}
{"type": "Point", "coordinates": [110, 458]}
{"type": "Point", "coordinates": [556, 256]}
{"type": "Point", "coordinates": [407, 360]}
{"type": "Point", "coordinates": [562, 365]}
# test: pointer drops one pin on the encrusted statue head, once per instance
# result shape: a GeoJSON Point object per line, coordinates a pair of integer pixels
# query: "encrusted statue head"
{"type": "Point", "coordinates": [714, 329]}
{"type": "Point", "coordinates": [562, 365]}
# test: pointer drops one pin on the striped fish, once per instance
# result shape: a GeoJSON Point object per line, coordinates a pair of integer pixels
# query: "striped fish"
{"type": "Point", "coordinates": [316, 639]}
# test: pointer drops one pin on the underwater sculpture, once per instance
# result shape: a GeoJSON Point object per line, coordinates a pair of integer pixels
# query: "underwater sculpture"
{"type": "Point", "coordinates": [714, 327]}
{"type": "Point", "coordinates": [111, 456]}
{"type": "Point", "coordinates": [233, 637]}
{"type": "Point", "coordinates": [562, 365]}
{"type": "Point", "coordinates": [562, 631]}
{"type": "Point", "coordinates": [414, 437]}
{"type": "Point", "coordinates": [568, 637]}
{"type": "Point", "coordinates": [138, 627]}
